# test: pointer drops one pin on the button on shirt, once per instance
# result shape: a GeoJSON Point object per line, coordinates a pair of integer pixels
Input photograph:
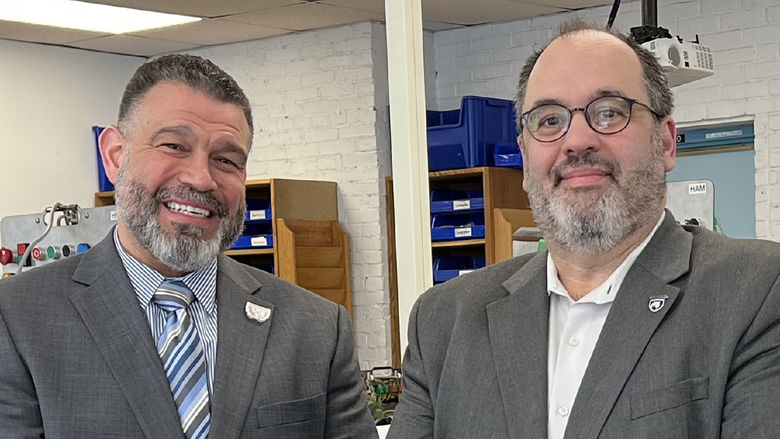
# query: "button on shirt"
{"type": "Point", "coordinates": [574, 329]}
{"type": "Point", "coordinates": [203, 310]}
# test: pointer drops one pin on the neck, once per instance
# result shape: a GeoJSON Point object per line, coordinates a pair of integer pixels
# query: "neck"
{"type": "Point", "coordinates": [581, 273]}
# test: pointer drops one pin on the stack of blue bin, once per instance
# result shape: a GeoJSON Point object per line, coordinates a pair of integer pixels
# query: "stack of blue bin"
{"type": "Point", "coordinates": [258, 232]}
{"type": "Point", "coordinates": [457, 214]}
{"type": "Point", "coordinates": [481, 133]}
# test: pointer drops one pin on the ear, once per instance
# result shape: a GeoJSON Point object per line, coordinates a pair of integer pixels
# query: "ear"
{"type": "Point", "coordinates": [112, 150]}
{"type": "Point", "coordinates": [669, 142]}
{"type": "Point", "coordinates": [523, 155]}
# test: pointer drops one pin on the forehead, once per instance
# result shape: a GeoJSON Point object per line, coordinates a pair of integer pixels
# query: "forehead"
{"type": "Point", "coordinates": [574, 68]}
{"type": "Point", "coordinates": [171, 102]}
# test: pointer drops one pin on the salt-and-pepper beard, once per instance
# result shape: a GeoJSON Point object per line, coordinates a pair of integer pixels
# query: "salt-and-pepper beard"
{"type": "Point", "coordinates": [186, 250]}
{"type": "Point", "coordinates": [591, 220]}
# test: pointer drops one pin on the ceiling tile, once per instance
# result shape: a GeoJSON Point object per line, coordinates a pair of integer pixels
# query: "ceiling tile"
{"type": "Point", "coordinates": [568, 4]}
{"type": "Point", "coordinates": [469, 12]}
{"type": "Point", "coordinates": [212, 31]}
{"type": "Point", "coordinates": [132, 45]}
{"type": "Point", "coordinates": [375, 6]}
{"type": "Point", "coordinates": [12, 30]}
{"type": "Point", "coordinates": [304, 16]}
{"type": "Point", "coordinates": [200, 8]}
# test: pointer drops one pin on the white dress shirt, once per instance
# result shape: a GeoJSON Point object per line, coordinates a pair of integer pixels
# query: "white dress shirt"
{"type": "Point", "coordinates": [573, 332]}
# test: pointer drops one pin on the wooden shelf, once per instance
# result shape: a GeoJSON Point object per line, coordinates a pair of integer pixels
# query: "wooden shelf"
{"type": "Point", "coordinates": [463, 243]}
{"type": "Point", "coordinates": [506, 207]}
{"type": "Point", "coordinates": [250, 251]}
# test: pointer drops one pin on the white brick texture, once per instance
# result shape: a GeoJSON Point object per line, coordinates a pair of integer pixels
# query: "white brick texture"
{"type": "Point", "coordinates": [743, 35]}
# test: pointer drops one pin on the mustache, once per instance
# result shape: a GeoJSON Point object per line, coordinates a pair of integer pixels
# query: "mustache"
{"type": "Point", "coordinates": [187, 193]}
{"type": "Point", "coordinates": [588, 159]}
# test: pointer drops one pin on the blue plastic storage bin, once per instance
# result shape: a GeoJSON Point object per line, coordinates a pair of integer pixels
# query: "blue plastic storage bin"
{"type": "Point", "coordinates": [104, 184]}
{"type": "Point", "coordinates": [257, 211]}
{"type": "Point", "coordinates": [447, 200]}
{"type": "Point", "coordinates": [446, 268]}
{"type": "Point", "coordinates": [507, 154]}
{"type": "Point", "coordinates": [466, 138]}
{"type": "Point", "coordinates": [256, 235]}
{"type": "Point", "coordinates": [452, 226]}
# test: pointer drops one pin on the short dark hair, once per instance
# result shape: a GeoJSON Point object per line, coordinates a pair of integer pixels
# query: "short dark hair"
{"type": "Point", "coordinates": [193, 71]}
{"type": "Point", "coordinates": [654, 78]}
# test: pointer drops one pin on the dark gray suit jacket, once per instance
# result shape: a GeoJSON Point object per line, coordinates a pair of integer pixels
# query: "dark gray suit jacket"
{"type": "Point", "coordinates": [707, 365]}
{"type": "Point", "coordinates": [77, 359]}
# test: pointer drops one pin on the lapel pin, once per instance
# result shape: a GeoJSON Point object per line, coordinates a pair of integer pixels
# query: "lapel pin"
{"type": "Point", "coordinates": [257, 312]}
{"type": "Point", "coordinates": [656, 303]}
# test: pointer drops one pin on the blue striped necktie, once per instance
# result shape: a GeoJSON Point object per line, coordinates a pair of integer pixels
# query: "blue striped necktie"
{"type": "Point", "coordinates": [182, 355]}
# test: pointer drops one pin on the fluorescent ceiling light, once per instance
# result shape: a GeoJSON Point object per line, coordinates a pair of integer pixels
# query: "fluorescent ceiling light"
{"type": "Point", "coordinates": [87, 16]}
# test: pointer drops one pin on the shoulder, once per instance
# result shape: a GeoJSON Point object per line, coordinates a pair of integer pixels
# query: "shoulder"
{"type": "Point", "coordinates": [724, 255]}
{"type": "Point", "coordinates": [474, 290]}
{"type": "Point", "coordinates": [49, 280]}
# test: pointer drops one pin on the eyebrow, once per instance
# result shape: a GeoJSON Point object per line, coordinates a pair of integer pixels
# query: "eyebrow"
{"type": "Point", "coordinates": [233, 147]}
{"type": "Point", "coordinates": [597, 94]}
{"type": "Point", "coordinates": [179, 130]}
{"type": "Point", "coordinates": [187, 133]}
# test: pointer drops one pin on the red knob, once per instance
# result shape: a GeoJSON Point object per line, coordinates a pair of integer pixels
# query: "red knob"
{"type": "Point", "coordinates": [6, 256]}
{"type": "Point", "coordinates": [38, 254]}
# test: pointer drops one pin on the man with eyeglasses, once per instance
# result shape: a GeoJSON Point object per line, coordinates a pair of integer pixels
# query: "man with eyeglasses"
{"type": "Point", "coordinates": [630, 326]}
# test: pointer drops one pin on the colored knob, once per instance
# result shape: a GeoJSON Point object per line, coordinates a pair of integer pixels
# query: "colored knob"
{"type": "Point", "coordinates": [53, 252]}
{"type": "Point", "coordinates": [82, 247]}
{"type": "Point", "coordinates": [68, 250]}
{"type": "Point", "coordinates": [38, 254]}
{"type": "Point", "coordinates": [6, 256]}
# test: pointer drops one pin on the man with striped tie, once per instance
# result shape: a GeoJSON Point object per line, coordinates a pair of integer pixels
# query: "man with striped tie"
{"type": "Point", "coordinates": [154, 333]}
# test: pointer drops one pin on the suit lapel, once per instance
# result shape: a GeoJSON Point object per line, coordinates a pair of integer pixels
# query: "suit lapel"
{"type": "Point", "coordinates": [110, 311]}
{"type": "Point", "coordinates": [240, 348]}
{"type": "Point", "coordinates": [629, 327]}
{"type": "Point", "coordinates": [518, 337]}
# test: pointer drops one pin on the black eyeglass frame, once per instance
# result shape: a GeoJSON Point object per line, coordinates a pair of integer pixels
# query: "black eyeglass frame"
{"type": "Point", "coordinates": [632, 102]}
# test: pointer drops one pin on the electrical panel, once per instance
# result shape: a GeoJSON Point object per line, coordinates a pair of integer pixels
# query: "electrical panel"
{"type": "Point", "coordinates": [61, 231]}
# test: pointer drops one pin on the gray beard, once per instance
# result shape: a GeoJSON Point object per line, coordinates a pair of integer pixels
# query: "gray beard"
{"type": "Point", "coordinates": [592, 221]}
{"type": "Point", "coordinates": [185, 251]}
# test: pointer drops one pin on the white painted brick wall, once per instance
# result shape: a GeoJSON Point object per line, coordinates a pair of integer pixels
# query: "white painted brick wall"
{"type": "Point", "coordinates": [320, 105]}
{"type": "Point", "coordinates": [745, 39]}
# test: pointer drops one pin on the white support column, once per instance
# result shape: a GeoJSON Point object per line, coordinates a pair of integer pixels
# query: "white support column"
{"type": "Point", "coordinates": [410, 154]}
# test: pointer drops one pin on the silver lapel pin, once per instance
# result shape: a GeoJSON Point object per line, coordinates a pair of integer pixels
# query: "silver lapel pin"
{"type": "Point", "coordinates": [257, 312]}
{"type": "Point", "coordinates": [657, 302]}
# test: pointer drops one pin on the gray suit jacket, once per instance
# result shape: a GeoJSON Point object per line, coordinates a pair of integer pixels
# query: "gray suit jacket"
{"type": "Point", "coordinates": [77, 359]}
{"type": "Point", "coordinates": [707, 365]}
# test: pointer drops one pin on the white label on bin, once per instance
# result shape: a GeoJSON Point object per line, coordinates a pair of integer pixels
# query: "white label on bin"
{"type": "Point", "coordinates": [112, 215]}
{"type": "Point", "coordinates": [461, 205]}
{"type": "Point", "coordinates": [460, 272]}
{"type": "Point", "coordinates": [257, 214]}
{"type": "Point", "coordinates": [697, 188]}
{"type": "Point", "coordinates": [462, 232]}
{"type": "Point", "coordinates": [259, 241]}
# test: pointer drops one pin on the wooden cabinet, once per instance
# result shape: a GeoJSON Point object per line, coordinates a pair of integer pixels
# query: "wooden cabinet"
{"type": "Point", "coordinates": [505, 209]}
{"type": "Point", "coordinates": [309, 247]}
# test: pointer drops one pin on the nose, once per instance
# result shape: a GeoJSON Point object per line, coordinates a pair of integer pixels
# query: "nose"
{"type": "Point", "coordinates": [196, 172]}
{"type": "Point", "coordinates": [580, 137]}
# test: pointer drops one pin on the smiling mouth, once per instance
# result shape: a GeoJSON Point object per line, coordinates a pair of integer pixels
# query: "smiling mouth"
{"type": "Point", "coordinates": [188, 210]}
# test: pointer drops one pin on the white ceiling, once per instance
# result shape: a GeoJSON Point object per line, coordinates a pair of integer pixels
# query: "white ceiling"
{"type": "Point", "coordinates": [229, 21]}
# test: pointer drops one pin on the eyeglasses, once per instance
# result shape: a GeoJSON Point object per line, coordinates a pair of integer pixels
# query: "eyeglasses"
{"type": "Point", "coordinates": [605, 115]}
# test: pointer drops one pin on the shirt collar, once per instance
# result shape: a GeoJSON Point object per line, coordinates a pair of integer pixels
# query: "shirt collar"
{"type": "Point", "coordinates": [146, 280]}
{"type": "Point", "coordinates": [606, 292]}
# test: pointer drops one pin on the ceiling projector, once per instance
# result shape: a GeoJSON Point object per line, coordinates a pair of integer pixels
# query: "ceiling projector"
{"type": "Point", "coordinates": [683, 61]}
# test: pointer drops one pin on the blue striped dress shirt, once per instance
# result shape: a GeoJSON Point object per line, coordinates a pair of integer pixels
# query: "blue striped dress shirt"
{"type": "Point", "coordinates": [203, 310]}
